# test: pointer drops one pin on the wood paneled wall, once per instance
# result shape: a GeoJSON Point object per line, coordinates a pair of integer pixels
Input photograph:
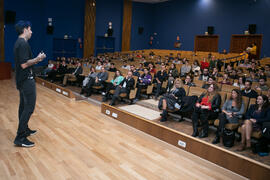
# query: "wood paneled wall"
{"type": "Point", "coordinates": [89, 28]}
{"type": "Point", "coordinates": [240, 42]}
{"type": "Point", "coordinates": [206, 43]}
{"type": "Point", "coordinates": [2, 34]}
{"type": "Point", "coordinates": [127, 20]}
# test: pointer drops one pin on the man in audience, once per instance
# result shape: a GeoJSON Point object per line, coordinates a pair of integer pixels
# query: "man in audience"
{"type": "Point", "coordinates": [188, 81]}
{"type": "Point", "coordinates": [125, 86]}
{"type": "Point", "coordinates": [211, 80]}
{"type": "Point", "coordinates": [78, 70]}
{"type": "Point", "coordinates": [98, 81]}
{"type": "Point", "coordinates": [134, 71]}
{"type": "Point", "coordinates": [161, 76]}
{"type": "Point", "coordinates": [112, 68]}
{"type": "Point", "coordinates": [262, 86]}
{"type": "Point", "coordinates": [248, 92]}
{"type": "Point", "coordinates": [185, 69]}
{"type": "Point", "coordinates": [205, 75]}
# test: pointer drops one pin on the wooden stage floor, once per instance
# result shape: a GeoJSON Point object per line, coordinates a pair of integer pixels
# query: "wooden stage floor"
{"type": "Point", "coordinates": [76, 141]}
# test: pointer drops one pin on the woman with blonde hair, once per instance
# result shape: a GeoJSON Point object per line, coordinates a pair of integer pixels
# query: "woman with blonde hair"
{"type": "Point", "coordinates": [171, 100]}
{"type": "Point", "coordinates": [206, 108]}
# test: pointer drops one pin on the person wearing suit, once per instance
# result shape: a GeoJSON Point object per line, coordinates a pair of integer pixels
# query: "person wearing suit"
{"type": "Point", "coordinates": [98, 81]}
{"type": "Point", "coordinates": [124, 87]}
{"type": "Point", "coordinates": [78, 70]}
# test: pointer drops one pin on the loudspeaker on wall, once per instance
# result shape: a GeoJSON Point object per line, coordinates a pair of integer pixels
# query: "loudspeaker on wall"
{"type": "Point", "coordinates": [252, 28]}
{"type": "Point", "coordinates": [210, 30]}
{"type": "Point", "coordinates": [140, 30]}
{"type": "Point", "coordinates": [10, 17]}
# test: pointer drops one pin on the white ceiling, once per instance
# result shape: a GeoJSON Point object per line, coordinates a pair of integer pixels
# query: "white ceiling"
{"type": "Point", "coordinates": [150, 1]}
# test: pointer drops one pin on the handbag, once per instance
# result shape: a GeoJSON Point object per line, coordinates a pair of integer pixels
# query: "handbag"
{"type": "Point", "coordinates": [228, 138]}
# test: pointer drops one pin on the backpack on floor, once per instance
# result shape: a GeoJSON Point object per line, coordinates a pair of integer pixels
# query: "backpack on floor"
{"type": "Point", "coordinates": [228, 138]}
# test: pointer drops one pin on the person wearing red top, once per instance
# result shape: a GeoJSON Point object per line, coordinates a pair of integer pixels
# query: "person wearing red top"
{"type": "Point", "coordinates": [204, 64]}
{"type": "Point", "coordinates": [152, 68]}
{"type": "Point", "coordinates": [207, 108]}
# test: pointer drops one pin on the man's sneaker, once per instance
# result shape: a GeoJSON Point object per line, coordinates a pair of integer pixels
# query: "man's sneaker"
{"type": "Point", "coordinates": [23, 142]}
{"type": "Point", "coordinates": [31, 132]}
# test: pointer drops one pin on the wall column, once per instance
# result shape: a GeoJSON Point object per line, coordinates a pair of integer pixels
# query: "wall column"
{"type": "Point", "coordinates": [89, 28]}
{"type": "Point", "coordinates": [2, 34]}
{"type": "Point", "coordinates": [127, 21]}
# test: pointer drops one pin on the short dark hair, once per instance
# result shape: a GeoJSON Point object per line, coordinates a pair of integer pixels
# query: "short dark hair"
{"type": "Point", "coordinates": [19, 27]}
{"type": "Point", "coordinates": [249, 81]}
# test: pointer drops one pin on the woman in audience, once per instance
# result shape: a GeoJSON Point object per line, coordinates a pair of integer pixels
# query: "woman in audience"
{"type": "Point", "coordinates": [196, 68]}
{"type": "Point", "coordinates": [232, 110]}
{"type": "Point", "coordinates": [206, 108]}
{"type": "Point", "coordinates": [240, 83]}
{"type": "Point", "coordinates": [225, 79]}
{"type": "Point", "coordinates": [143, 82]}
{"type": "Point", "coordinates": [256, 115]}
{"type": "Point", "coordinates": [171, 100]}
{"type": "Point", "coordinates": [204, 64]}
{"type": "Point", "coordinates": [215, 73]}
{"type": "Point", "coordinates": [117, 79]}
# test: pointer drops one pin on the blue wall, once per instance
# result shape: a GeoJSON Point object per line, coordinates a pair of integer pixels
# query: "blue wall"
{"type": "Point", "coordinates": [186, 18]}
{"type": "Point", "coordinates": [142, 16]}
{"type": "Point", "coordinates": [68, 18]}
{"type": "Point", "coordinates": [110, 11]}
{"type": "Point", "coordinates": [189, 18]}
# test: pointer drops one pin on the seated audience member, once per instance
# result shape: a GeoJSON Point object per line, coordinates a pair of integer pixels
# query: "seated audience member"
{"type": "Point", "coordinates": [215, 73]}
{"type": "Point", "coordinates": [196, 68]}
{"type": "Point", "coordinates": [144, 80]}
{"type": "Point", "coordinates": [262, 86]}
{"type": "Point", "coordinates": [99, 66]}
{"type": "Point", "coordinates": [206, 108]}
{"type": "Point", "coordinates": [185, 69]}
{"type": "Point", "coordinates": [152, 68]}
{"type": "Point", "coordinates": [92, 75]}
{"type": "Point", "coordinates": [252, 77]}
{"type": "Point", "coordinates": [205, 75]}
{"type": "Point", "coordinates": [172, 75]}
{"type": "Point", "coordinates": [212, 63]}
{"type": "Point", "coordinates": [112, 68]}
{"type": "Point", "coordinates": [268, 94]}
{"type": "Point", "coordinates": [188, 81]}
{"type": "Point", "coordinates": [228, 69]}
{"type": "Point", "coordinates": [267, 70]}
{"type": "Point", "coordinates": [248, 92]}
{"type": "Point", "coordinates": [225, 80]}
{"type": "Point", "coordinates": [78, 70]}
{"type": "Point", "coordinates": [171, 100]}
{"type": "Point", "coordinates": [125, 66]}
{"type": "Point", "coordinates": [134, 71]}
{"type": "Point", "coordinates": [140, 68]}
{"type": "Point", "coordinates": [124, 87]}
{"type": "Point", "coordinates": [211, 80]}
{"type": "Point", "coordinates": [49, 68]}
{"type": "Point", "coordinates": [256, 115]}
{"type": "Point", "coordinates": [161, 77]}
{"type": "Point", "coordinates": [253, 67]}
{"type": "Point", "coordinates": [117, 79]}
{"type": "Point", "coordinates": [261, 73]}
{"type": "Point", "coordinates": [232, 111]}
{"type": "Point", "coordinates": [204, 64]}
{"type": "Point", "coordinates": [252, 51]}
{"type": "Point", "coordinates": [245, 64]}
{"type": "Point", "coordinates": [98, 81]}
{"type": "Point", "coordinates": [55, 71]}
{"type": "Point", "coordinates": [240, 83]}
{"type": "Point", "coordinates": [233, 74]}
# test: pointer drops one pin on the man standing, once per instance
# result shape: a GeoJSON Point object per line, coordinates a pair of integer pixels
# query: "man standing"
{"type": "Point", "coordinates": [25, 82]}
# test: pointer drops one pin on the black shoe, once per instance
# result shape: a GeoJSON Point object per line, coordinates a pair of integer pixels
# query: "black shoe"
{"type": "Point", "coordinates": [164, 116]}
{"type": "Point", "coordinates": [195, 134]}
{"type": "Point", "coordinates": [111, 104]}
{"type": "Point", "coordinates": [216, 140]}
{"type": "Point", "coordinates": [203, 135]}
{"type": "Point", "coordinates": [23, 142]}
{"type": "Point", "coordinates": [31, 132]}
